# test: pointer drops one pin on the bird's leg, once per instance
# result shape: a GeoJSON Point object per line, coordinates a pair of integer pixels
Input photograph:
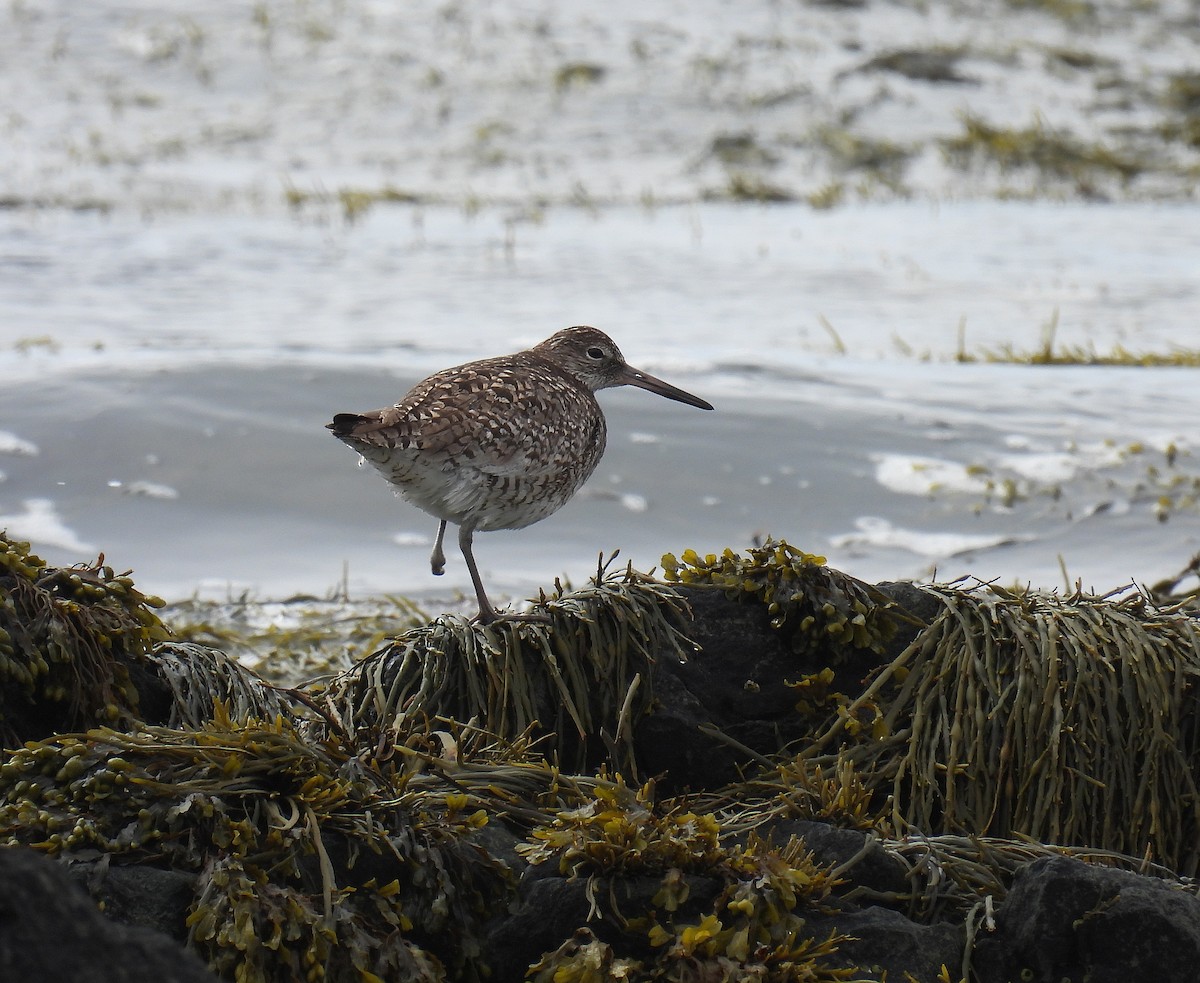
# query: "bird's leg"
{"type": "Point", "coordinates": [437, 559]}
{"type": "Point", "coordinates": [487, 614]}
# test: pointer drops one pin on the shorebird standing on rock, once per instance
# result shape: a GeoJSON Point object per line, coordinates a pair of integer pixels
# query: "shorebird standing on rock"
{"type": "Point", "coordinates": [499, 443]}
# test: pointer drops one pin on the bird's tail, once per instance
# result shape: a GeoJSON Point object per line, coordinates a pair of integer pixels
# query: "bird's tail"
{"type": "Point", "coordinates": [344, 423]}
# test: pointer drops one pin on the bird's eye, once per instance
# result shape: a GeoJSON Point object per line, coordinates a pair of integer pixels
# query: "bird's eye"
{"type": "Point", "coordinates": [595, 353]}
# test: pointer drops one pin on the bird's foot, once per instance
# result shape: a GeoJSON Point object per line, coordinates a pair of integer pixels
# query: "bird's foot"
{"type": "Point", "coordinates": [437, 559]}
{"type": "Point", "coordinates": [490, 616]}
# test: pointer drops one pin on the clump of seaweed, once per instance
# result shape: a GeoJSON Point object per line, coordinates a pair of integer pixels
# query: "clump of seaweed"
{"type": "Point", "coordinates": [578, 74]}
{"type": "Point", "coordinates": [742, 186]}
{"type": "Point", "coordinates": [1001, 717]}
{"type": "Point", "coordinates": [355, 202]}
{"type": "Point", "coordinates": [1170, 592]}
{"type": "Point", "coordinates": [586, 672]}
{"type": "Point", "coordinates": [814, 604]}
{"type": "Point", "coordinates": [950, 876]}
{"type": "Point", "coordinates": [200, 678]}
{"type": "Point", "coordinates": [796, 788]}
{"type": "Point", "coordinates": [334, 833]}
{"type": "Point", "coordinates": [750, 925]}
{"type": "Point", "coordinates": [619, 831]}
{"type": "Point", "coordinates": [260, 814]}
{"type": "Point", "coordinates": [1182, 101]}
{"type": "Point", "coordinates": [959, 876]}
{"type": "Point", "coordinates": [67, 639]}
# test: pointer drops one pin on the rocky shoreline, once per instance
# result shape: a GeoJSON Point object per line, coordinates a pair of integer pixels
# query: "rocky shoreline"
{"type": "Point", "coordinates": [765, 769]}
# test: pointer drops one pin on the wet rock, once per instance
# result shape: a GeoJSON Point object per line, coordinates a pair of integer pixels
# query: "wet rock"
{"type": "Point", "coordinates": [886, 945]}
{"type": "Point", "coordinates": [738, 683]}
{"type": "Point", "coordinates": [552, 907]}
{"type": "Point", "coordinates": [50, 931]}
{"type": "Point", "coordinates": [144, 896]}
{"type": "Point", "coordinates": [870, 865]}
{"type": "Point", "coordinates": [1064, 921]}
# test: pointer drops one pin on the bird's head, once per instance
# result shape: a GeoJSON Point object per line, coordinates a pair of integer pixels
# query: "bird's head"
{"type": "Point", "coordinates": [594, 359]}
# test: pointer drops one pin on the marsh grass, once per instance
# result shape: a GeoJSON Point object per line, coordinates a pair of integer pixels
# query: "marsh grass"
{"type": "Point", "coordinates": [1051, 352]}
{"type": "Point", "coordinates": [1056, 154]}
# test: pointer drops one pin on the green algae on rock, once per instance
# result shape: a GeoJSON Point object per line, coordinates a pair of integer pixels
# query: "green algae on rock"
{"type": "Point", "coordinates": [814, 603]}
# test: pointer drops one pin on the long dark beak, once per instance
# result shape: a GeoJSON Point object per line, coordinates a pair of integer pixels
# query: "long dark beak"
{"type": "Point", "coordinates": [643, 380]}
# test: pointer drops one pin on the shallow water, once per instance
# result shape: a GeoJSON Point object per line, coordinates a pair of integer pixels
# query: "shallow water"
{"type": "Point", "coordinates": [690, 287]}
{"type": "Point", "coordinates": [167, 383]}
{"type": "Point", "coordinates": [184, 304]}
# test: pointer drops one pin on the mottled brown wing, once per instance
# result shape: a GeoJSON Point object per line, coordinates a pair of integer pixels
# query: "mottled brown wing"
{"type": "Point", "coordinates": [503, 415]}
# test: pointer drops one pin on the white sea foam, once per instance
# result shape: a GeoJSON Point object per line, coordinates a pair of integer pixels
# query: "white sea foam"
{"type": "Point", "coordinates": [41, 525]}
{"type": "Point", "coordinates": [150, 489]}
{"type": "Point", "coordinates": [908, 474]}
{"type": "Point", "coordinates": [10, 443]}
{"type": "Point", "coordinates": [1048, 468]}
{"type": "Point", "coordinates": [634, 502]}
{"type": "Point", "coordinates": [412, 539]}
{"type": "Point", "coordinates": [876, 532]}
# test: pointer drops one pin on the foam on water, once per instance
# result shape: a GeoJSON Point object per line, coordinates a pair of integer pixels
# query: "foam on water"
{"type": "Point", "coordinates": [874, 532]}
{"type": "Point", "coordinates": [752, 303]}
{"type": "Point", "coordinates": [911, 475]}
{"type": "Point", "coordinates": [10, 443]}
{"type": "Point", "coordinates": [41, 524]}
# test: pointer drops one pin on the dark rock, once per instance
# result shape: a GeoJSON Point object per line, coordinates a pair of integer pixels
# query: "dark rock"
{"type": "Point", "coordinates": [875, 870]}
{"type": "Point", "coordinates": [1064, 921]}
{"type": "Point", "coordinates": [921, 606]}
{"type": "Point", "coordinates": [737, 683]}
{"type": "Point", "coordinates": [549, 911]}
{"type": "Point", "coordinates": [50, 931]}
{"type": "Point", "coordinates": [144, 896]}
{"type": "Point", "coordinates": [887, 945]}
{"type": "Point", "coordinates": [552, 907]}
{"type": "Point", "coordinates": [500, 842]}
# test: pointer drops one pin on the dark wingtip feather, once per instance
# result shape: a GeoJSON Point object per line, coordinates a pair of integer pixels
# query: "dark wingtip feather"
{"type": "Point", "coordinates": [344, 423]}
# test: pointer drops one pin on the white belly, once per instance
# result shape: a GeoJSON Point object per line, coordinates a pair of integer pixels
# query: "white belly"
{"type": "Point", "coordinates": [464, 494]}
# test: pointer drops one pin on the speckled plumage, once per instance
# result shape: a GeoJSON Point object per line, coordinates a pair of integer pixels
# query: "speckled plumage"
{"type": "Point", "coordinates": [500, 443]}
